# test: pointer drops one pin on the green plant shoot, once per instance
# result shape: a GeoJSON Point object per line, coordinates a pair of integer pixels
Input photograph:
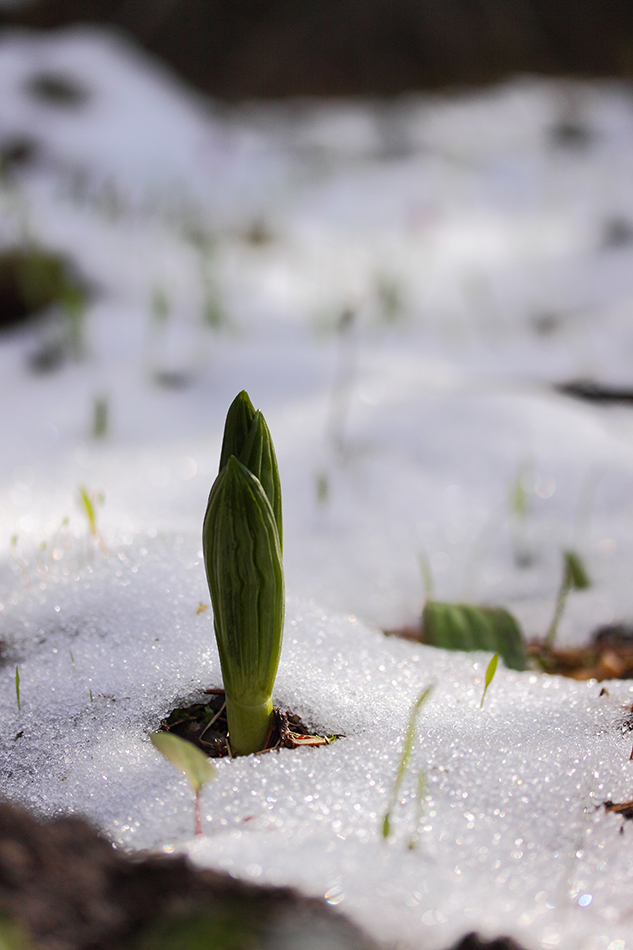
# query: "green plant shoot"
{"type": "Point", "coordinates": [404, 758]}
{"type": "Point", "coordinates": [91, 514]}
{"type": "Point", "coordinates": [242, 544]}
{"type": "Point", "coordinates": [17, 688]}
{"type": "Point", "coordinates": [469, 627]}
{"type": "Point", "coordinates": [491, 669]}
{"type": "Point", "coordinates": [574, 577]}
{"type": "Point", "coordinates": [189, 759]}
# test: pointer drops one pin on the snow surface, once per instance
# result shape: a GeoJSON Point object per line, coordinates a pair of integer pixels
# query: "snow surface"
{"type": "Point", "coordinates": [474, 244]}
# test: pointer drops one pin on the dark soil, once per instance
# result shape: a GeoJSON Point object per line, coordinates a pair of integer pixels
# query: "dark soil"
{"type": "Point", "coordinates": [63, 886]}
{"type": "Point", "coordinates": [68, 888]}
{"type": "Point", "coordinates": [205, 725]}
{"type": "Point", "coordinates": [473, 941]}
{"type": "Point", "coordinates": [240, 49]}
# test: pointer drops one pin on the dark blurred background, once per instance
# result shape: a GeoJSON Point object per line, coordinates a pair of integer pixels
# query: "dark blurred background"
{"type": "Point", "coordinates": [239, 49]}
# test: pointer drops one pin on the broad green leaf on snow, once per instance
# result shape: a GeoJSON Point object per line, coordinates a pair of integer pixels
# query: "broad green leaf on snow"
{"type": "Point", "coordinates": [467, 627]}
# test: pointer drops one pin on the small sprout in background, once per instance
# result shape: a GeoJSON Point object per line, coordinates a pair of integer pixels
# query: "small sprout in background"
{"type": "Point", "coordinates": [388, 293]}
{"type": "Point", "coordinates": [17, 688]}
{"type": "Point", "coordinates": [574, 577]}
{"type": "Point", "coordinates": [258, 234]}
{"type": "Point", "coordinates": [201, 608]}
{"type": "Point", "coordinates": [160, 308]}
{"type": "Point", "coordinates": [344, 376]}
{"type": "Point", "coordinates": [57, 89]}
{"type": "Point", "coordinates": [491, 669]}
{"type": "Point", "coordinates": [91, 697]}
{"type": "Point", "coordinates": [467, 627]}
{"type": "Point", "coordinates": [100, 415]}
{"type": "Point", "coordinates": [518, 508]}
{"type": "Point", "coordinates": [72, 659]}
{"type": "Point", "coordinates": [73, 300]}
{"type": "Point", "coordinates": [322, 487]}
{"type": "Point", "coordinates": [404, 758]}
{"type": "Point", "coordinates": [190, 760]}
{"type": "Point", "coordinates": [419, 810]}
{"type": "Point", "coordinates": [88, 506]}
{"type": "Point", "coordinates": [242, 544]}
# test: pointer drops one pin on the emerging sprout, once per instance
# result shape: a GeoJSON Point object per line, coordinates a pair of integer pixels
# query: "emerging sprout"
{"type": "Point", "coordinates": [491, 669]}
{"type": "Point", "coordinates": [90, 511]}
{"type": "Point", "coordinates": [17, 688]}
{"type": "Point", "coordinates": [242, 543]}
{"type": "Point", "coordinates": [189, 759]}
{"type": "Point", "coordinates": [404, 759]}
{"type": "Point", "coordinates": [574, 577]}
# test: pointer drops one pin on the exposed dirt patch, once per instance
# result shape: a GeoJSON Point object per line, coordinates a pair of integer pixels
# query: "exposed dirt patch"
{"type": "Point", "coordinates": [205, 725]}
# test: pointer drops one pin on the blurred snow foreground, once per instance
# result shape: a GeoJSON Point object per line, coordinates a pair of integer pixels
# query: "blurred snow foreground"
{"type": "Point", "coordinates": [400, 287]}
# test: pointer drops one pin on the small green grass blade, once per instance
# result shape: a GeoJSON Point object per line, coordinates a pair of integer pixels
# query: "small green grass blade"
{"type": "Point", "coordinates": [491, 669]}
{"type": "Point", "coordinates": [88, 507]}
{"type": "Point", "coordinates": [17, 687]}
{"type": "Point", "coordinates": [407, 748]}
{"type": "Point", "coordinates": [185, 756]}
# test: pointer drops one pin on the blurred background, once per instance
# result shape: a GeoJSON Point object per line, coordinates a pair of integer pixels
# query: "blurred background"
{"type": "Point", "coordinates": [249, 48]}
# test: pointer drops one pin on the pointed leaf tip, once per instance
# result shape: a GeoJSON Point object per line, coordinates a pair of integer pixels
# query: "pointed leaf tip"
{"type": "Point", "coordinates": [575, 569]}
{"type": "Point", "coordinates": [187, 757]}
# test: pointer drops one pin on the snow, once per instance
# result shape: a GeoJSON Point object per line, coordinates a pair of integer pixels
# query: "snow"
{"type": "Point", "coordinates": [470, 243]}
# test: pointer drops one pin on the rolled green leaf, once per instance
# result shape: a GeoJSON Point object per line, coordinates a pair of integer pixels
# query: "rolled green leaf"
{"type": "Point", "coordinates": [467, 627]}
{"type": "Point", "coordinates": [244, 570]}
{"type": "Point", "coordinates": [239, 420]}
{"type": "Point", "coordinates": [247, 437]}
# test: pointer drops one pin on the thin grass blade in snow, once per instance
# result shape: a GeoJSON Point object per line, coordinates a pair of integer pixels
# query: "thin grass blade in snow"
{"type": "Point", "coordinates": [404, 758]}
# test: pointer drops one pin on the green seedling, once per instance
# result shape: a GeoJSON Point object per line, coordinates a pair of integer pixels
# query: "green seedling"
{"type": "Point", "coordinates": [189, 759]}
{"type": "Point", "coordinates": [90, 511]}
{"type": "Point", "coordinates": [574, 577]}
{"type": "Point", "coordinates": [342, 390]}
{"type": "Point", "coordinates": [467, 627]}
{"type": "Point", "coordinates": [160, 308]}
{"type": "Point", "coordinates": [491, 669]}
{"type": "Point", "coordinates": [100, 417]}
{"type": "Point", "coordinates": [242, 545]}
{"type": "Point", "coordinates": [322, 488]}
{"type": "Point", "coordinates": [73, 300]}
{"type": "Point", "coordinates": [91, 696]}
{"type": "Point", "coordinates": [518, 507]}
{"type": "Point", "coordinates": [17, 688]}
{"type": "Point", "coordinates": [404, 759]}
